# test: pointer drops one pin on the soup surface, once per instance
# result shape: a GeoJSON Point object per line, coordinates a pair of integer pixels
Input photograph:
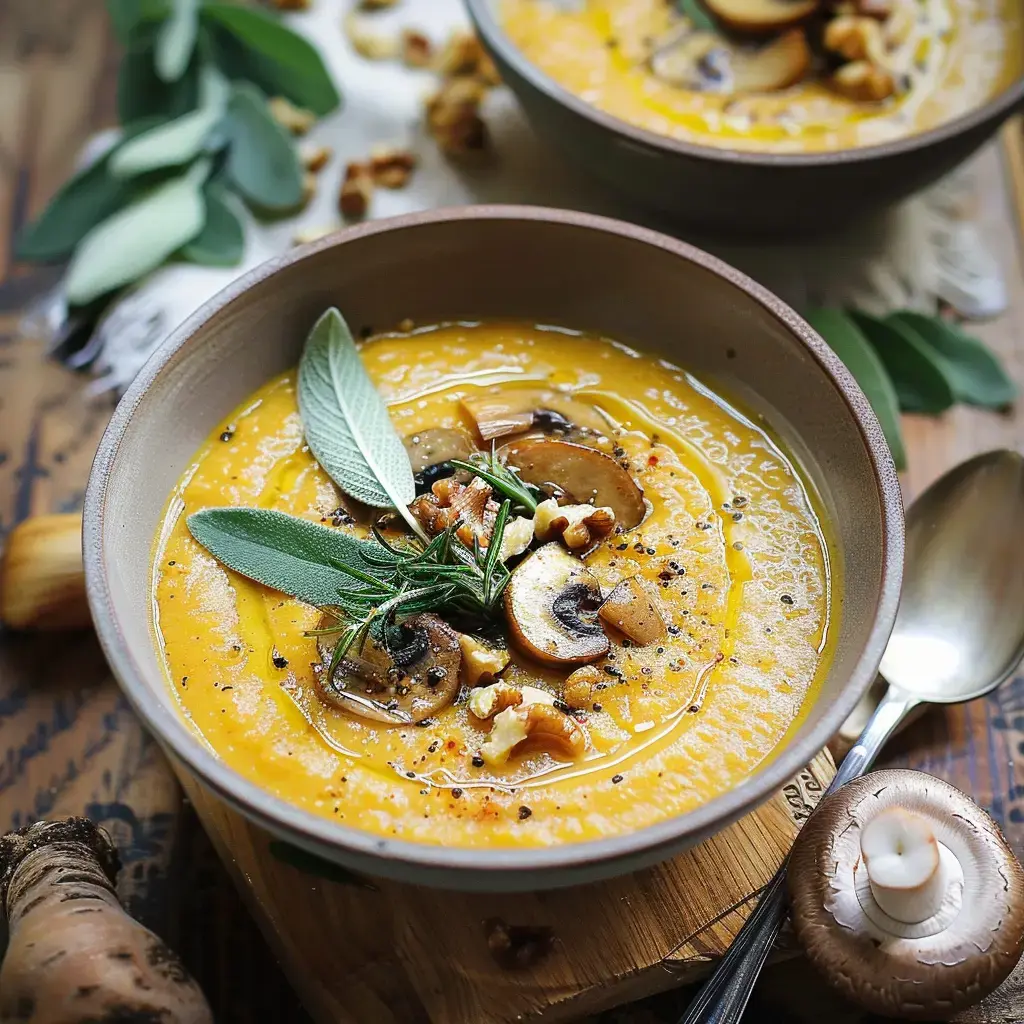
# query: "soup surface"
{"type": "Point", "coordinates": [864, 73]}
{"type": "Point", "coordinates": [730, 546]}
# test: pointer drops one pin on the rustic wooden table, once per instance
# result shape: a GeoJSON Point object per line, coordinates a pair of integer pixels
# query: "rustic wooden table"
{"type": "Point", "coordinates": [70, 744]}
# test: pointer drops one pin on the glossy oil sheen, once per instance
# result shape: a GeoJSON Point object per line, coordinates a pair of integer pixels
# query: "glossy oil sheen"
{"type": "Point", "coordinates": [748, 583]}
{"type": "Point", "coordinates": [956, 54]}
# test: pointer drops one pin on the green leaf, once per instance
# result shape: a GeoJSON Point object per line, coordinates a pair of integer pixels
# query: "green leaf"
{"type": "Point", "coordinates": [262, 161]}
{"type": "Point", "coordinates": [976, 374]}
{"type": "Point", "coordinates": [918, 375]}
{"type": "Point", "coordinates": [348, 427]}
{"type": "Point", "coordinates": [221, 243]}
{"type": "Point", "coordinates": [128, 15]}
{"type": "Point", "coordinates": [137, 239]}
{"type": "Point", "coordinates": [175, 142]}
{"type": "Point", "coordinates": [141, 93]}
{"type": "Point", "coordinates": [283, 552]}
{"type": "Point", "coordinates": [698, 14]}
{"type": "Point", "coordinates": [176, 40]}
{"type": "Point", "coordinates": [847, 341]}
{"type": "Point", "coordinates": [311, 864]}
{"type": "Point", "coordinates": [90, 196]}
{"type": "Point", "coordinates": [279, 60]}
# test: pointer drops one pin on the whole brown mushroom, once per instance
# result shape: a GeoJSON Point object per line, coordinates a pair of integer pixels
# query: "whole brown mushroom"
{"type": "Point", "coordinates": [906, 897]}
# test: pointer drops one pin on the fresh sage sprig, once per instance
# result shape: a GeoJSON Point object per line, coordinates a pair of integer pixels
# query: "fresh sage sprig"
{"type": "Point", "coordinates": [910, 362]}
{"type": "Point", "coordinates": [192, 95]}
{"type": "Point", "coordinates": [348, 426]}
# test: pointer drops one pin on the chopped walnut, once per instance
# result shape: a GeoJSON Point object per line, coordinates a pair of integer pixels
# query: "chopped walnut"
{"type": "Point", "coordinates": [862, 81]}
{"type": "Point", "coordinates": [368, 43]}
{"type": "Point", "coordinates": [417, 49]}
{"type": "Point", "coordinates": [518, 536]}
{"type": "Point", "coordinates": [579, 687]}
{"type": "Point", "coordinates": [356, 191]}
{"type": "Point", "coordinates": [392, 167]}
{"type": "Point", "coordinates": [450, 502]}
{"type": "Point", "coordinates": [314, 157]}
{"type": "Point", "coordinates": [539, 727]}
{"type": "Point", "coordinates": [295, 119]}
{"type": "Point", "coordinates": [481, 663]}
{"type": "Point", "coordinates": [855, 38]}
{"type": "Point", "coordinates": [309, 184]}
{"type": "Point", "coordinates": [453, 116]}
{"type": "Point", "coordinates": [487, 701]}
{"type": "Point", "coordinates": [577, 526]}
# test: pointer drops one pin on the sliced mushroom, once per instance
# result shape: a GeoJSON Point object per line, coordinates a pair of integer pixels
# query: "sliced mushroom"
{"type": "Point", "coordinates": [590, 476]}
{"type": "Point", "coordinates": [705, 62]}
{"type": "Point", "coordinates": [906, 896]}
{"type": "Point", "coordinates": [431, 451]}
{"type": "Point", "coordinates": [516, 410]}
{"type": "Point", "coordinates": [551, 603]}
{"type": "Point", "coordinates": [763, 17]}
{"type": "Point", "coordinates": [417, 676]}
{"type": "Point", "coordinates": [634, 609]}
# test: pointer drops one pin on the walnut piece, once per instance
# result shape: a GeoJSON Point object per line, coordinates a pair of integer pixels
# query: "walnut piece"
{"type": "Point", "coordinates": [481, 663]}
{"type": "Point", "coordinates": [314, 157]}
{"type": "Point", "coordinates": [417, 49]}
{"type": "Point", "coordinates": [368, 43]}
{"type": "Point", "coordinates": [450, 501]}
{"type": "Point", "coordinates": [855, 38]}
{"type": "Point", "coordinates": [356, 191]}
{"type": "Point", "coordinates": [487, 701]}
{"type": "Point", "coordinates": [577, 526]}
{"type": "Point", "coordinates": [392, 167]}
{"type": "Point", "coordinates": [518, 536]}
{"type": "Point", "coordinates": [536, 725]}
{"type": "Point", "coordinates": [295, 119]}
{"type": "Point", "coordinates": [453, 116]}
{"type": "Point", "coordinates": [862, 81]}
{"type": "Point", "coordinates": [580, 686]}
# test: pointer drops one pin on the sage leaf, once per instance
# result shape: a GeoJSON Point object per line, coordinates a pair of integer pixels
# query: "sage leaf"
{"type": "Point", "coordinates": [277, 59]}
{"type": "Point", "coordinates": [176, 40]}
{"type": "Point", "coordinates": [698, 14]}
{"type": "Point", "coordinates": [221, 243]}
{"type": "Point", "coordinates": [283, 552]}
{"type": "Point", "coordinates": [845, 338]}
{"type": "Point", "coordinates": [90, 196]}
{"type": "Point", "coordinates": [920, 379]}
{"type": "Point", "coordinates": [137, 239]}
{"type": "Point", "coordinates": [348, 427]}
{"type": "Point", "coordinates": [262, 161]}
{"type": "Point", "coordinates": [977, 376]}
{"type": "Point", "coordinates": [141, 93]}
{"type": "Point", "coordinates": [175, 142]}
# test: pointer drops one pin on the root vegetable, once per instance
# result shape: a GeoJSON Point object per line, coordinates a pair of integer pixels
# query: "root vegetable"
{"type": "Point", "coordinates": [74, 955]}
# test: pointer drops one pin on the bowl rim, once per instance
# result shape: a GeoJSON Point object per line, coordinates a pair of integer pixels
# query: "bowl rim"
{"type": "Point", "coordinates": [483, 14]}
{"type": "Point", "coordinates": [430, 863]}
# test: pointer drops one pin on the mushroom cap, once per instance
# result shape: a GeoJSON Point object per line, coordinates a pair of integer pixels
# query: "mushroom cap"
{"type": "Point", "coordinates": [917, 972]}
{"type": "Point", "coordinates": [394, 688]}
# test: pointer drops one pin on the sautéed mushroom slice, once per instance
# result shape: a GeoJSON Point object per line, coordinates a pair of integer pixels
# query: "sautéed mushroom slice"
{"type": "Point", "coordinates": [512, 411]}
{"type": "Point", "coordinates": [412, 678]}
{"type": "Point", "coordinates": [431, 453]}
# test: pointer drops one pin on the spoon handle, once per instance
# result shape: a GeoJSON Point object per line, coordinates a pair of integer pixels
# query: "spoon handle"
{"type": "Point", "coordinates": [725, 994]}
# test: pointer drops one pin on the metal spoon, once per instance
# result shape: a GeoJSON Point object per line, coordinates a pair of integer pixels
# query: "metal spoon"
{"type": "Point", "coordinates": [959, 633]}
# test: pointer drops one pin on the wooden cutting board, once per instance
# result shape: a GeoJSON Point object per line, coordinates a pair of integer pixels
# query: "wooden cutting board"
{"type": "Point", "coordinates": [360, 950]}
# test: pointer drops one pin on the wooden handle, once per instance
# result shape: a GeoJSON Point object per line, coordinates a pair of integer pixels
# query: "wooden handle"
{"type": "Point", "coordinates": [42, 583]}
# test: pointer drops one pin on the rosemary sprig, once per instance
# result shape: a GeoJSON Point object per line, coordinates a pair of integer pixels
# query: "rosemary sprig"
{"type": "Point", "coordinates": [502, 478]}
{"type": "Point", "coordinates": [444, 576]}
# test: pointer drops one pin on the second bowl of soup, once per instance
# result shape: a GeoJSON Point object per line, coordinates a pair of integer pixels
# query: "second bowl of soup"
{"type": "Point", "coordinates": [490, 578]}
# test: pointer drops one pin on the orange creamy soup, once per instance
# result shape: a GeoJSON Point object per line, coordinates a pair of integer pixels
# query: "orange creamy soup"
{"type": "Point", "coordinates": [727, 596]}
{"type": "Point", "coordinates": [786, 76]}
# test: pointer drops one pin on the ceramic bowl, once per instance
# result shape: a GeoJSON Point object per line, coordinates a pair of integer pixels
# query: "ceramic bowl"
{"type": "Point", "coordinates": [547, 266]}
{"type": "Point", "coordinates": [762, 195]}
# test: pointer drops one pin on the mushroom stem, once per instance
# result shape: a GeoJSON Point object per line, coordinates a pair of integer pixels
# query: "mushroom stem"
{"type": "Point", "coordinates": [908, 875]}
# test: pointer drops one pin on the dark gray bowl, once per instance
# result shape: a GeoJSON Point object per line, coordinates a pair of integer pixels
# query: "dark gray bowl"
{"type": "Point", "coordinates": [739, 193]}
{"type": "Point", "coordinates": [546, 266]}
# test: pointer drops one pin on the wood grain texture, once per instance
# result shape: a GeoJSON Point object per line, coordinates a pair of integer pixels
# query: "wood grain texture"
{"type": "Point", "coordinates": [68, 743]}
{"type": "Point", "coordinates": [401, 953]}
